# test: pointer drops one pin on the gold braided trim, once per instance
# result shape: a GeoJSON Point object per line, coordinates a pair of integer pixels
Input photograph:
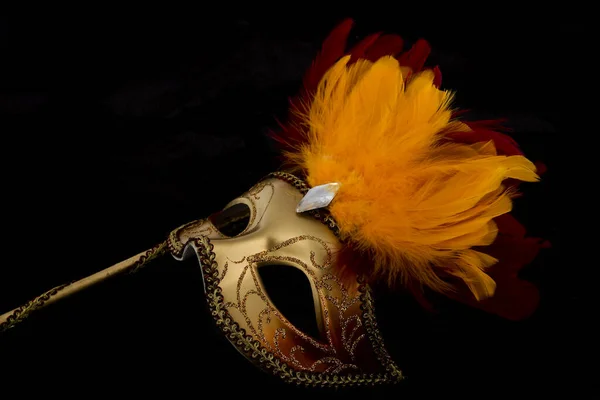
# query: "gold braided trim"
{"type": "Point", "coordinates": [24, 311]}
{"type": "Point", "coordinates": [266, 360]}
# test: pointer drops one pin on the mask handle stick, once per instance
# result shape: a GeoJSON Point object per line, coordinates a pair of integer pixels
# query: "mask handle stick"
{"type": "Point", "coordinates": [131, 265]}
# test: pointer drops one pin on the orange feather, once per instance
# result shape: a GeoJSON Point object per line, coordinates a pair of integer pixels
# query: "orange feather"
{"type": "Point", "coordinates": [409, 195]}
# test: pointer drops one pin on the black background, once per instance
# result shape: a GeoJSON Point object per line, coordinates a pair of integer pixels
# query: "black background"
{"type": "Point", "coordinates": [117, 129]}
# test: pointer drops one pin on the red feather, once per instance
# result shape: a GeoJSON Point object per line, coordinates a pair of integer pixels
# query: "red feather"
{"type": "Point", "coordinates": [515, 298]}
{"type": "Point", "coordinates": [415, 58]}
{"type": "Point", "coordinates": [332, 50]}
{"type": "Point", "coordinates": [437, 77]}
{"type": "Point", "coordinates": [359, 50]}
{"type": "Point", "coordinates": [483, 131]}
{"type": "Point", "coordinates": [385, 45]}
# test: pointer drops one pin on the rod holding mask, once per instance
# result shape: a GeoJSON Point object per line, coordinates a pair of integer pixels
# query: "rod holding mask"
{"type": "Point", "coordinates": [131, 265]}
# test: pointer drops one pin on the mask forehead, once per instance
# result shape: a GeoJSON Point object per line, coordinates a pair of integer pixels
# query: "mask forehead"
{"type": "Point", "coordinates": [349, 349]}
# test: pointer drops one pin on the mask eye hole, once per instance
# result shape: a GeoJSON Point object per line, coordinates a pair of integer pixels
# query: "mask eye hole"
{"type": "Point", "coordinates": [233, 220]}
{"type": "Point", "coordinates": [290, 291]}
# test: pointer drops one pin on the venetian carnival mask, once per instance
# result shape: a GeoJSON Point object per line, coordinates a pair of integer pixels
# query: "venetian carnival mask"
{"type": "Point", "coordinates": [381, 181]}
{"type": "Point", "coordinates": [349, 348]}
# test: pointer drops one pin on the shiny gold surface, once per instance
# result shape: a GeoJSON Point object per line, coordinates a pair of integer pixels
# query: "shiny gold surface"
{"type": "Point", "coordinates": [349, 344]}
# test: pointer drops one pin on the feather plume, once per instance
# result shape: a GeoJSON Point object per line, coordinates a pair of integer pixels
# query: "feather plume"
{"type": "Point", "coordinates": [416, 200]}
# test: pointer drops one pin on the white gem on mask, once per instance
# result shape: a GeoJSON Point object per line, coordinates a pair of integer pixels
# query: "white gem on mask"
{"type": "Point", "coordinates": [318, 197]}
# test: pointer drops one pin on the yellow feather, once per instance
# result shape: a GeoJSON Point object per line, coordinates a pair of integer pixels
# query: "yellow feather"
{"type": "Point", "coordinates": [418, 203]}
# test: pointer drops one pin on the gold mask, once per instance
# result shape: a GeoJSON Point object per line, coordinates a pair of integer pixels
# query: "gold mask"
{"type": "Point", "coordinates": [349, 349]}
